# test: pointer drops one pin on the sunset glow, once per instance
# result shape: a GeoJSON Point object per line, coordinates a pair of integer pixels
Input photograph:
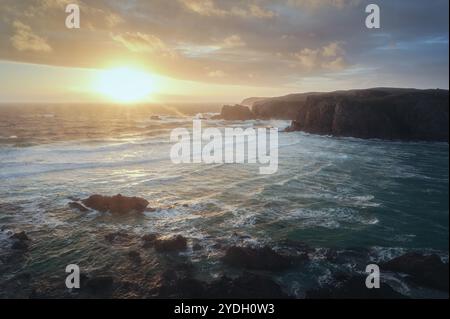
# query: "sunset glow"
{"type": "Point", "coordinates": [125, 85]}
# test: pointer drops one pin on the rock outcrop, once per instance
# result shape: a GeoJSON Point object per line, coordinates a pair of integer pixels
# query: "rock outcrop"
{"type": "Point", "coordinates": [345, 286]}
{"type": "Point", "coordinates": [384, 113]}
{"type": "Point", "coordinates": [423, 270]}
{"type": "Point", "coordinates": [235, 113]}
{"type": "Point", "coordinates": [263, 258]}
{"type": "Point", "coordinates": [20, 241]}
{"type": "Point", "coordinates": [117, 204]}
{"type": "Point", "coordinates": [176, 284]}
{"type": "Point", "coordinates": [165, 244]}
{"type": "Point", "coordinates": [100, 285]}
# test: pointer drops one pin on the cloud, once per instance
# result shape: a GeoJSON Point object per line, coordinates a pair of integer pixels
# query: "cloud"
{"type": "Point", "coordinates": [140, 42]}
{"type": "Point", "coordinates": [233, 41]}
{"type": "Point", "coordinates": [259, 12]}
{"type": "Point", "coordinates": [316, 4]}
{"type": "Point", "coordinates": [25, 40]}
{"type": "Point", "coordinates": [333, 49]}
{"type": "Point", "coordinates": [308, 58]}
{"type": "Point", "coordinates": [330, 57]}
{"type": "Point", "coordinates": [204, 7]}
{"type": "Point", "coordinates": [279, 42]}
{"type": "Point", "coordinates": [335, 65]}
{"type": "Point", "coordinates": [210, 8]}
{"type": "Point", "coordinates": [216, 74]}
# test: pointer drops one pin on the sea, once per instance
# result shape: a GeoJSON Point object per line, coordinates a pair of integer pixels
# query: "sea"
{"type": "Point", "coordinates": [364, 199]}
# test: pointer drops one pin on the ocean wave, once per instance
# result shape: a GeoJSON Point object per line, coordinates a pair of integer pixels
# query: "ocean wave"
{"type": "Point", "coordinates": [331, 218]}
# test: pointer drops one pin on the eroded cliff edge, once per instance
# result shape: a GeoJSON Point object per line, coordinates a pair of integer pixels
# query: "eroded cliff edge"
{"type": "Point", "coordinates": [384, 113]}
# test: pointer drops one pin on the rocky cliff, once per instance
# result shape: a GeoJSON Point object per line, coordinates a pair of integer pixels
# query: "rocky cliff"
{"type": "Point", "coordinates": [385, 113]}
{"type": "Point", "coordinates": [283, 107]}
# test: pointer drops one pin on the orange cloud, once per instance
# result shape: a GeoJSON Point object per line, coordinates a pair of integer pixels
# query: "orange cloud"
{"type": "Point", "coordinates": [25, 40]}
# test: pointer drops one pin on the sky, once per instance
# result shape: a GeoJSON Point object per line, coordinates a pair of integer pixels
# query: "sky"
{"type": "Point", "coordinates": [217, 50]}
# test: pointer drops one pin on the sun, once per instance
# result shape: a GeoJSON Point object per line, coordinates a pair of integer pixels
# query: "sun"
{"type": "Point", "coordinates": [125, 85]}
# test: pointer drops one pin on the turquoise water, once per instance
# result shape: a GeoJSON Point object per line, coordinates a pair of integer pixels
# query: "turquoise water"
{"type": "Point", "coordinates": [329, 193]}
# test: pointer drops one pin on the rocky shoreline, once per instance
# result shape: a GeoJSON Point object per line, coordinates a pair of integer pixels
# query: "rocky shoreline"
{"type": "Point", "coordinates": [158, 266]}
{"type": "Point", "coordinates": [378, 113]}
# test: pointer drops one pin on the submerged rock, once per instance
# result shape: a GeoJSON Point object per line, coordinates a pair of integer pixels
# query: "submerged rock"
{"type": "Point", "coordinates": [149, 240]}
{"type": "Point", "coordinates": [352, 287]}
{"type": "Point", "coordinates": [135, 256]}
{"type": "Point", "coordinates": [424, 270]}
{"type": "Point", "coordinates": [177, 243]}
{"type": "Point", "coordinates": [164, 244]}
{"type": "Point", "coordinates": [100, 285]}
{"type": "Point", "coordinates": [256, 258]}
{"type": "Point", "coordinates": [22, 236]}
{"type": "Point", "coordinates": [21, 241]}
{"type": "Point", "coordinates": [118, 238]}
{"type": "Point", "coordinates": [248, 285]}
{"type": "Point", "coordinates": [172, 284]}
{"type": "Point", "coordinates": [20, 245]}
{"type": "Point", "coordinates": [116, 204]}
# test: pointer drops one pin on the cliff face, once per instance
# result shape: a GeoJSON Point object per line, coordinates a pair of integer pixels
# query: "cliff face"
{"type": "Point", "coordinates": [251, 100]}
{"type": "Point", "coordinates": [284, 107]}
{"type": "Point", "coordinates": [393, 114]}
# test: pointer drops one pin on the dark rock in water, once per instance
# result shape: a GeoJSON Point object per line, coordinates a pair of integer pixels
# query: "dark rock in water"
{"type": "Point", "coordinates": [424, 270]}
{"type": "Point", "coordinates": [100, 285]}
{"type": "Point", "coordinates": [78, 206]}
{"type": "Point", "coordinates": [21, 241]}
{"type": "Point", "coordinates": [296, 245]}
{"type": "Point", "coordinates": [353, 287]}
{"type": "Point", "coordinates": [20, 245]}
{"type": "Point", "coordinates": [246, 286]}
{"type": "Point", "coordinates": [384, 113]}
{"type": "Point", "coordinates": [295, 126]}
{"type": "Point", "coordinates": [235, 113]}
{"type": "Point", "coordinates": [23, 277]}
{"type": "Point", "coordinates": [172, 284]}
{"type": "Point", "coordinates": [135, 256]}
{"type": "Point", "coordinates": [149, 240]}
{"type": "Point", "coordinates": [355, 255]}
{"type": "Point", "coordinates": [186, 288]}
{"type": "Point", "coordinates": [118, 237]}
{"type": "Point", "coordinates": [196, 247]}
{"type": "Point", "coordinates": [256, 258]}
{"type": "Point", "coordinates": [22, 236]}
{"type": "Point", "coordinates": [116, 204]}
{"type": "Point", "coordinates": [177, 243]}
